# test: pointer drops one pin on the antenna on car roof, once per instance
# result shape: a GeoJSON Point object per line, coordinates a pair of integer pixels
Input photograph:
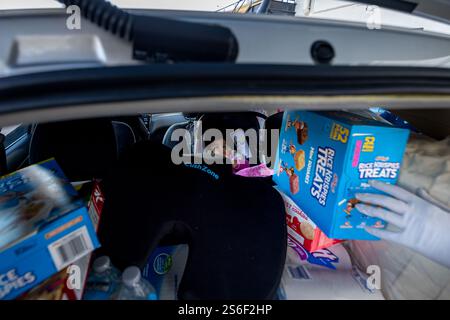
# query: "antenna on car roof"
{"type": "Point", "coordinates": [160, 39]}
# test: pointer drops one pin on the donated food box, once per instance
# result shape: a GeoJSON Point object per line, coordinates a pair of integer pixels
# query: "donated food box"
{"type": "Point", "coordinates": [325, 158]}
{"type": "Point", "coordinates": [165, 268]}
{"type": "Point", "coordinates": [69, 283]}
{"type": "Point", "coordinates": [325, 274]}
{"type": "Point", "coordinates": [43, 227]}
{"type": "Point", "coordinates": [303, 229]}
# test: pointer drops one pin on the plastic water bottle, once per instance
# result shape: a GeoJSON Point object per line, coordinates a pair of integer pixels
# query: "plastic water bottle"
{"type": "Point", "coordinates": [103, 280]}
{"type": "Point", "coordinates": [134, 286]}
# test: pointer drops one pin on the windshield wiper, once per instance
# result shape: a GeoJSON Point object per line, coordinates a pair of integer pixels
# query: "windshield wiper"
{"type": "Point", "coordinates": [159, 39]}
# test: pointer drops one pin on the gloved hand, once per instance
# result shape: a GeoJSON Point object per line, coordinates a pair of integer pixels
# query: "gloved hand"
{"type": "Point", "coordinates": [424, 226]}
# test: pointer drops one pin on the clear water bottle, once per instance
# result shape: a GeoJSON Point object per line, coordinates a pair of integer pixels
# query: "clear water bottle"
{"type": "Point", "coordinates": [134, 286]}
{"type": "Point", "coordinates": [103, 280]}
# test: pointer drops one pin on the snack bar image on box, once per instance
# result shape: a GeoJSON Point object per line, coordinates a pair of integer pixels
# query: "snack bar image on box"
{"type": "Point", "coordinates": [303, 229]}
{"type": "Point", "coordinates": [325, 158]}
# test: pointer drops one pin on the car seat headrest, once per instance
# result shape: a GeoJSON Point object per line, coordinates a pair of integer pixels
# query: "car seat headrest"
{"type": "Point", "coordinates": [231, 120]}
{"type": "Point", "coordinates": [234, 226]}
{"type": "Point", "coordinates": [167, 139]}
{"type": "Point", "coordinates": [84, 148]}
{"type": "Point", "coordinates": [124, 135]}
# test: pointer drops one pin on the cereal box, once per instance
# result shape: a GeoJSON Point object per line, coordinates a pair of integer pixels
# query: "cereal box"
{"type": "Point", "coordinates": [325, 158]}
{"type": "Point", "coordinates": [303, 229]}
{"type": "Point", "coordinates": [43, 227]}
{"type": "Point", "coordinates": [59, 286]}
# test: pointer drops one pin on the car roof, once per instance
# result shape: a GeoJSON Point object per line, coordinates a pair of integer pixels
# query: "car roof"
{"type": "Point", "coordinates": [434, 9]}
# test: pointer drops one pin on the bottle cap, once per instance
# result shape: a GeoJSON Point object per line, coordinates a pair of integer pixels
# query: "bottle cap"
{"type": "Point", "coordinates": [131, 276]}
{"type": "Point", "coordinates": [101, 264]}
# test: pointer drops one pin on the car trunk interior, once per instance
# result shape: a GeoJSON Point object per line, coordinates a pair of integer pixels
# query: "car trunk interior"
{"type": "Point", "coordinates": [81, 146]}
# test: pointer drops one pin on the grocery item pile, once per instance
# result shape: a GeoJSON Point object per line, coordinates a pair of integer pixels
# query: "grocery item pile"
{"type": "Point", "coordinates": [45, 228]}
{"type": "Point", "coordinates": [48, 225]}
{"type": "Point", "coordinates": [47, 240]}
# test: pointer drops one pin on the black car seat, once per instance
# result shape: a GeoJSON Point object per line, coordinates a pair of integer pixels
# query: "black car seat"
{"type": "Point", "coordinates": [187, 124]}
{"type": "Point", "coordinates": [235, 227]}
{"type": "Point", "coordinates": [84, 149]}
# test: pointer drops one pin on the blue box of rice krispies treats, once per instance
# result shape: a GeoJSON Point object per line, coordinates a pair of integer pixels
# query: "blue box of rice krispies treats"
{"type": "Point", "coordinates": [43, 227]}
{"type": "Point", "coordinates": [325, 158]}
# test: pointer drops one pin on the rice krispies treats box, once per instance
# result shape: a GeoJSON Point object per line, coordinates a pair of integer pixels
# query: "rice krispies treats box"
{"type": "Point", "coordinates": [325, 158]}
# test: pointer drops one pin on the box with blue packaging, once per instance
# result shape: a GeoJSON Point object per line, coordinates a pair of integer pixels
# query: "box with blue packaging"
{"type": "Point", "coordinates": [325, 158]}
{"type": "Point", "coordinates": [43, 227]}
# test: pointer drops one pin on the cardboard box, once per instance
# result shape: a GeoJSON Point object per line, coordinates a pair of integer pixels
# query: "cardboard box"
{"type": "Point", "coordinates": [326, 274]}
{"type": "Point", "coordinates": [95, 209]}
{"type": "Point", "coordinates": [57, 287]}
{"type": "Point", "coordinates": [43, 228]}
{"type": "Point", "coordinates": [303, 229]}
{"type": "Point", "coordinates": [334, 155]}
